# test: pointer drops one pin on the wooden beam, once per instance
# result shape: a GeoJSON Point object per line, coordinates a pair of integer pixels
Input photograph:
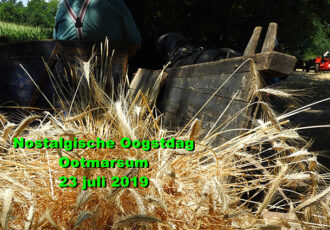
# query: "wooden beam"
{"type": "Point", "coordinates": [275, 64]}
{"type": "Point", "coordinates": [270, 40]}
{"type": "Point", "coordinates": [253, 43]}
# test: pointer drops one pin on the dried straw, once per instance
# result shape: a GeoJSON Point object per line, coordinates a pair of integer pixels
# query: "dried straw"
{"type": "Point", "coordinates": [229, 186]}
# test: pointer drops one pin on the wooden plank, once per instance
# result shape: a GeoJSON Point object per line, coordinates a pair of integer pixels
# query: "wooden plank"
{"type": "Point", "coordinates": [188, 109]}
{"type": "Point", "coordinates": [230, 85]}
{"type": "Point", "coordinates": [143, 78]}
{"type": "Point", "coordinates": [183, 104]}
{"type": "Point", "coordinates": [275, 64]}
{"type": "Point", "coordinates": [253, 43]}
{"type": "Point", "coordinates": [270, 63]}
{"type": "Point", "coordinates": [146, 78]}
{"type": "Point", "coordinates": [225, 66]}
{"type": "Point", "coordinates": [186, 90]}
{"type": "Point", "coordinates": [170, 120]}
{"type": "Point", "coordinates": [269, 43]}
{"type": "Point", "coordinates": [181, 113]}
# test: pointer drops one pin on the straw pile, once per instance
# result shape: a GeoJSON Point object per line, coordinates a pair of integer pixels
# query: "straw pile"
{"type": "Point", "coordinates": [240, 184]}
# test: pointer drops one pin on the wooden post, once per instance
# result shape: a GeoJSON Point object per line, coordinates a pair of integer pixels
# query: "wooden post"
{"type": "Point", "coordinates": [270, 40]}
{"type": "Point", "coordinates": [252, 45]}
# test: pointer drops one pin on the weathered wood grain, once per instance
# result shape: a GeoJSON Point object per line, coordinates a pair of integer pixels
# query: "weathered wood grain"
{"type": "Point", "coordinates": [253, 43]}
{"type": "Point", "coordinates": [184, 104]}
{"type": "Point", "coordinates": [187, 89]}
{"type": "Point", "coordinates": [219, 71]}
{"type": "Point", "coordinates": [270, 40]}
{"type": "Point", "coordinates": [275, 64]}
{"type": "Point", "coordinates": [238, 84]}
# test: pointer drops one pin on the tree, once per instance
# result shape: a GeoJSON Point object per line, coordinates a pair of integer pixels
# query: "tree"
{"type": "Point", "coordinates": [37, 12]}
{"type": "Point", "coordinates": [41, 13]}
{"type": "Point", "coordinates": [319, 41]}
{"type": "Point", "coordinates": [11, 11]}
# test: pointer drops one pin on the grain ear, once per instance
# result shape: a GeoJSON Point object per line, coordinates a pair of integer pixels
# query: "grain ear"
{"type": "Point", "coordinates": [3, 120]}
{"type": "Point", "coordinates": [49, 217]}
{"type": "Point", "coordinates": [195, 129]}
{"type": "Point", "coordinates": [83, 216]}
{"type": "Point", "coordinates": [7, 208]}
{"type": "Point", "coordinates": [82, 198]}
{"type": "Point", "coordinates": [25, 123]}
{"type": "Point", "coordinates": [130, 220]}
{"type": "Point", "coordinates": [8, 129]}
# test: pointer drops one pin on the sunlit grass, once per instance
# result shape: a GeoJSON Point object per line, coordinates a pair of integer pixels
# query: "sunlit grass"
{"type": "Point", "coordinates": [24, 33]}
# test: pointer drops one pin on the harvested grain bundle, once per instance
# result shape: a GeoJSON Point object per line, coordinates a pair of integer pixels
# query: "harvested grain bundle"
{"type": "Point", "coordinates": [211, 187]}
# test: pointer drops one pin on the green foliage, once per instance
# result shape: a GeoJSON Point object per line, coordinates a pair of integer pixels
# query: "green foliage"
{"type": "Point", "coordinates": [41, 13]}
{"type": "Point", "coordinates": [36, 13]}
{"type": "Point", "coordinates": [11, 11]}
{"type": "Point", "coordinates": [303, 24]}
{"type": "Point", "coordinates": [319, 41]}
{"type": "Point", "coordinates": [22, 33]}
{"type": "Point", "coordinates": [36, 19]}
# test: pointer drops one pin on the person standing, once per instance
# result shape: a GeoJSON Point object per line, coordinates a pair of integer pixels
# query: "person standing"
{"type": "Point", "coordinates": [95, 20]}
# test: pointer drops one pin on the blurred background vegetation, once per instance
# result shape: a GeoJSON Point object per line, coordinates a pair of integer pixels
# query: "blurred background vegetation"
{"type": "Point", "coordinates": [304, 25]}
{"type": "Point", "coordinates": [39, 13]}
{"type": "Point", "coordinates": [31, 22]}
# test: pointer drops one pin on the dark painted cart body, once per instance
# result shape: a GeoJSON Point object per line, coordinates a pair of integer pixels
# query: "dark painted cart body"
{"type": "Point", "coordinates": [18, 60]}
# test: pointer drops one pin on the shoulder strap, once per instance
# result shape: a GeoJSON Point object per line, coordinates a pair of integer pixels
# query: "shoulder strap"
{"type": "Point", "coordinates": [77, 20]}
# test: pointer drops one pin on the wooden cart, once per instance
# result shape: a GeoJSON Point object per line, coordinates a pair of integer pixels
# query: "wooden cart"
{"type": "Point", "coordinates": [224, 89]}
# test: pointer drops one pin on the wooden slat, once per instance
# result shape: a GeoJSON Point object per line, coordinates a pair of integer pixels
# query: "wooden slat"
{"type": "Point", "coordinates": [236, 83]}
{"type": "Point", "coordinates": [170, 122]}
{"type": "Point", "coordinates": [182, 111]}
{"type": "Point", "coordinates": [225, 66]}
{"type": "Point", "coordinates": [253, 43]}
{"type": "Point", "coordinates": [270, 40]}
{"type": "Point", "coordinates": [271, 63]}
{"type": "Point", "coordinates": [146, 78]}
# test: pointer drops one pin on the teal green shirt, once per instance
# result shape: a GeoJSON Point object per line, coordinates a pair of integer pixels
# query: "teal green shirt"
{"type": "Point", "coordinates": [103, 18]}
